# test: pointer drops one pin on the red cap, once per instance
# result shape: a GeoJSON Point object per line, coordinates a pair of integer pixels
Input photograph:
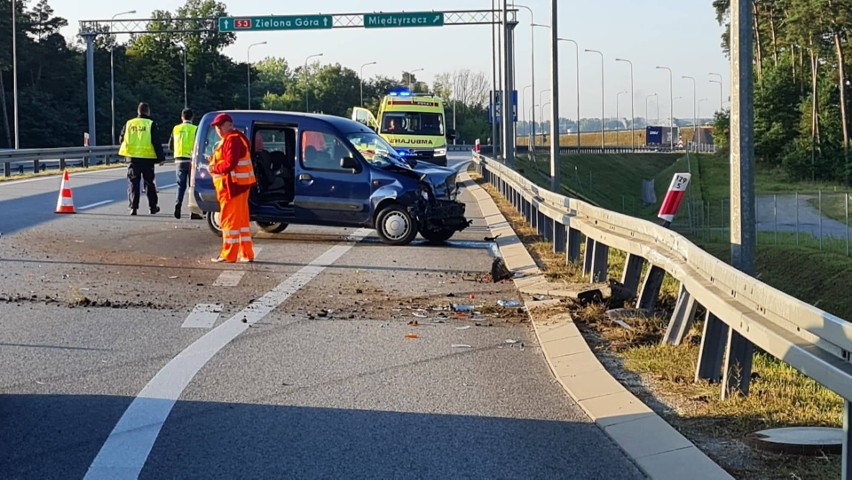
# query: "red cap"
{"type": "Point", "coordinates": [221, 118]}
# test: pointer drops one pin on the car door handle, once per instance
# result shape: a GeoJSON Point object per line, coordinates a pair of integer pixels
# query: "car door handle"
{"type": "Point", "coordinates": [304, 177]}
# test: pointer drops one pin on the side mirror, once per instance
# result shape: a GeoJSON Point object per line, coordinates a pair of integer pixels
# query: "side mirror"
{"type": "Point", "coordinates": [349, 163]}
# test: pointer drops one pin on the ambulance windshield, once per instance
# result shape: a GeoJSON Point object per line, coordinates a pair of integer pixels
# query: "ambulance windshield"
{"type": "Point", "coordinates": [376, 150]}
{"type": "Point", "coordinates": [413, 123]}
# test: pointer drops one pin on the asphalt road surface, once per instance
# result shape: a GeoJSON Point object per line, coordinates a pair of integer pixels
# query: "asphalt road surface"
{"type": "Point", "coordinates": [126, 353]}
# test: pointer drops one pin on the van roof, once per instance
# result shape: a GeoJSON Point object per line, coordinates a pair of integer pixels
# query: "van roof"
{"type": "Point", "coordinates": [342, 124]}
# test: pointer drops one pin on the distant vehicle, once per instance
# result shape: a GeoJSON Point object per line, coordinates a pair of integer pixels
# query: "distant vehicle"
{"type": "Point", "coordinates": [660, 136]}
{"type": "Point", "coordinates": [412, 123]}
{"type": "Point", "coordinates": [326, 170]}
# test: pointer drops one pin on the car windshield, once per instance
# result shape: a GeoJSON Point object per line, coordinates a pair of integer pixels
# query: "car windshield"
{"type": "Point", "coordinates": [413, 123]}
{"type": "Point", "coordinates": [375, 149]}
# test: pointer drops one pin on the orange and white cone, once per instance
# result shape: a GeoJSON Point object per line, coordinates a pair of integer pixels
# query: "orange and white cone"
{"type": "Point", "coordinates": [65, 203]}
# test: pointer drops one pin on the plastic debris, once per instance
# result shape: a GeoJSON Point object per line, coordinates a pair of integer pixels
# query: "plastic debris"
{"type": "Point", "coordinates": [413, 323]}
{"type": "Point", "coordinates": [512, 342]}
{"type": "Point", "coordinates": [508, 303]}
{"type": "Point", "coordinates": [419, 315]}
{"type": "Point", "coordinates": [457, 307]}
{"type": "Point", "coordinates": [463, 328]}
{"type": "Point", "coordinates": [172, 277]}
{"type": "Point", "coordinates": [411, 336]}
{"type": "Point", "coordinates": [461, 345]}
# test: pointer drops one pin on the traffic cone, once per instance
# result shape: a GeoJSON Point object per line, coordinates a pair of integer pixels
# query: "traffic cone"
{"type": "Point", "coordinates": [65, 202]}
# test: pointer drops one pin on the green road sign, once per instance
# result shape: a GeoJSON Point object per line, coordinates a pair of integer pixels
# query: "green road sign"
{"type": "Point", "coordinates": [404, 19]}
{"type": "Point", "coordinates": [290, 22]}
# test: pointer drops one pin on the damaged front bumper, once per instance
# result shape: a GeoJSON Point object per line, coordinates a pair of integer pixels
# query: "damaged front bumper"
{"type": "Point", "coordinates": [443, 215]}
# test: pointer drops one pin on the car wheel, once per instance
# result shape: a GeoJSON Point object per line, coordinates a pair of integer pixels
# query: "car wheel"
{"type": "Point", "coordinates": [437, 236]}
{"type": "Point", "coordinates": [395, 226]}
{"type": "Point", "coordinates": [214, 221]}
{"type": "Point", "coordinates": [272, 227]}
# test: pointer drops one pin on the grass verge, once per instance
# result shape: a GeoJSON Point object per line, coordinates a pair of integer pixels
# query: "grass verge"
{"type": "Point", "coordinates": [662, 375]}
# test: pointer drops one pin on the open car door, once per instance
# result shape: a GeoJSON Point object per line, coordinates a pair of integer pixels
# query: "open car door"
{"type": "Point", "coordinates": [364, 116]}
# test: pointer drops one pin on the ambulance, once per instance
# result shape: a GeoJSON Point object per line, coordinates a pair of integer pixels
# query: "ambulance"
{"type": "Point", "coordinates": [412, 123]}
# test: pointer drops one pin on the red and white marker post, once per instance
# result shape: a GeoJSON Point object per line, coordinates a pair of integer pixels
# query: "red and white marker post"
{"type": "Point", "coordinates": [673, 198]}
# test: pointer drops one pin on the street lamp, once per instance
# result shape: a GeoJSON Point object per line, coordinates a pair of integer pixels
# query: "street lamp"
{"type": "Point", "coordinates": [694, 123]}
{"type": "Point", "coordinates": [632, 105]}
{"type": "Point", "coordinates": [306, 77]}
{"type": "Point", "coordinates": [657, 101]}
{"type": "Point", "coordinates": [361, 76]}
{"type": "Point", "coordinates": [15, 74]}
{"type": "Point", "coordinates": [111, 77]}
{"type": "Point", "coordinates": [618, 118]}
{"type": "Point", "coordinates": [411, 75]}
{"type": "Point", "coordinates": [671, 108]}
{"type": "Point", "coordinates": [532, 47]}
{"type": "Point", "coordinates": [577, 59]}
{"type": "Point", "coordinates": [248, 70]}
{"type": "Point", "coordinates": [721, 99]}
{"type": "Point", "coordinates": [602, 92]}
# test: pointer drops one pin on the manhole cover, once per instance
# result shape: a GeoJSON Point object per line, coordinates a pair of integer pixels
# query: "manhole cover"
{"type": "Point", "coordinates": [798, 440]}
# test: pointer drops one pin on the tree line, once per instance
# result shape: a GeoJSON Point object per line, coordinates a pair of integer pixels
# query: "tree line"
{"type": "Point", "coordinates": [151, 68]}
{"type": "Point", "coordinates": [801, 91]}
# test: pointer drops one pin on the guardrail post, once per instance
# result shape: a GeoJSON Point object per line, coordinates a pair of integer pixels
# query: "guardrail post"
{"type": "Point", "coordinates": [632, 273]}
{"type": "Point", "coordinates": [651, 288]}
{"type": "Point", "coordinates": [588, 256]}
{"type": "Point", "coordinates": [35, 166]}
{"type": "Point", "coordinates": [711, 350]}
{"type": "Point", "coordinates": [600, 262]}
{"type": "Point", "coordinates": [7, 169]}
{"type": "Point", "coordinates": [846, 470]}
{"type": "Point", "coordinates": [559, 236]}
{"type": "Point", "coordinates": [573, 246]}
{"type": "Point", "coordinates": [62, 164]}
{"type": "Point", "coordinates": [738, 359]}
{"type": "Point", "coordinates": [533, 217]}
{"type": "Point", "coordinates": [682, 318]}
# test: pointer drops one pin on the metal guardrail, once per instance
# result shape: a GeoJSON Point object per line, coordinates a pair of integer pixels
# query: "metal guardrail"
{"type": "Point", "coordinates": [738, 306]}
{"type": "Point", "coordinates": [39, 159]}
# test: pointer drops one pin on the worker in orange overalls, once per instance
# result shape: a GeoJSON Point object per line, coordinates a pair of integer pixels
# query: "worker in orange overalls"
{"type": "Point", "coordinates": [233, 177]}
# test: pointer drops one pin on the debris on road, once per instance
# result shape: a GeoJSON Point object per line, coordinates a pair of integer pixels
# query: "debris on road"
{"type": "Point", "coordinates": [463, 328]}
{"type": "Point", "coordinates": [508, 303]}
{"type": "Point", "coordinates": [499, 271]}
{"type": "Point", "coordinates": [413, 323]}
{"type": "Point", "coordinates": [412, 336]}
{"type": "Point", "coordinates": [461, 345]}
{"type": "Point", "coordinates": [462, 308]}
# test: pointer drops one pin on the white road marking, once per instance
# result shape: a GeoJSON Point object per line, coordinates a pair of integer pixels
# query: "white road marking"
{"type": "Point", "coordinates": [93, 205]}
{"type": "Point", "coordinates": [204, 315]}
{"type": "Point", "coordinates": [127, 448]}
{"type": "Point", "coordinates": [257, 251]}
{"type": "Point", "coordinates": [229, 278]}
{"type": "Point", "coordinates": [168, 186]}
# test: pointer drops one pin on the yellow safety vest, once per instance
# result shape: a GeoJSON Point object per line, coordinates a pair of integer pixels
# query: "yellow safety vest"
{"type": "Point", "coordinates": [184, 138]}
{"type": "Point", "coordinates": [137, 141]}
{"type": "Point", "coordinates": [243, 173]}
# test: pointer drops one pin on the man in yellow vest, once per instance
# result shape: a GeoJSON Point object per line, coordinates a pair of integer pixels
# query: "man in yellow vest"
{"type": "Point", "coordinates": [181, 142]}
{"type": "Point", "coordinates": [233, 177]}
{"type": "Point", "coordinates": [139, 144]}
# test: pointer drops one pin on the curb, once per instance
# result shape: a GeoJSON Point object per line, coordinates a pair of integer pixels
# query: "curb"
{"type": "Point", "coordinates": [659, 450]}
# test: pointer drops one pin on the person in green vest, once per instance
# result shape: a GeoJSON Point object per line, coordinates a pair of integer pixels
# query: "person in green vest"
{"type": "Point", "coordinates": [181, 142]}
{"type": "Point", "coordinates": [139, 144]}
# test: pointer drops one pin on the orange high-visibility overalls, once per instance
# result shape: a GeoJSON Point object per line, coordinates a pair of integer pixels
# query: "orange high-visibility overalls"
{"type": "Point", "coordinates": [232, 191]}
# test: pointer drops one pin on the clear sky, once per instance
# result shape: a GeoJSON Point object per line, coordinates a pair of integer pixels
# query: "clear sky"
{"type": "Point", "coordinates": [679, 34]}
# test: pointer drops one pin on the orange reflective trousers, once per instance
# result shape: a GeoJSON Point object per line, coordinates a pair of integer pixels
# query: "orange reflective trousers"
{"type": "Point", "coordinates": [234, 220]}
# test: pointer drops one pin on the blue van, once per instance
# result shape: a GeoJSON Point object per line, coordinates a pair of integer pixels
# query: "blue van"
{"type": "Point", "coordinates": [326, 170]}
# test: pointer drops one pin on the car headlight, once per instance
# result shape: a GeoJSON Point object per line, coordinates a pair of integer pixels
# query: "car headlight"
{"type": "Point", "coordinates": [441, 152]}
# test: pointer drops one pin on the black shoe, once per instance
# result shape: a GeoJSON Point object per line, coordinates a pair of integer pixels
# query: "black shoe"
{"type": "Point", "coordinates": [154, 210]}
{"type": "Point", "coordinates": [177, 211]}
{"type": "Point", "coordinates": [133, 211]}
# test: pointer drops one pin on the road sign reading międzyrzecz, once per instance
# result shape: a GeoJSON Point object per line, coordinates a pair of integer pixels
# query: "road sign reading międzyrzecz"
{"type": "Point", "coordinates": [290, 22]}
{"type": "Point", "coordinates": [403, 19]}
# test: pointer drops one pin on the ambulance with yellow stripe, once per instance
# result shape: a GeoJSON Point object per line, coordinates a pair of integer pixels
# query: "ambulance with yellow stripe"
{"type": "Point", "coordinates": [413, 124]}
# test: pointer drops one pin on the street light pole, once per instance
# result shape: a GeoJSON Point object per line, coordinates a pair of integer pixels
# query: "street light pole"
{"type": "Point", "coordinates": [618, 118]}
{"type": "Point", "coordinates": [15, 74]}
{"type": "Point", "coordinates": [721, 98]}
{"type": "Point", "coordinates": [306, 78]}
{"type": "Point", "coordinates": [694, 123]}
{"type": "Point", "coordinates": [632, 105]}
{"type": "Point", "coordinates": [248, 70]}
{"type": "Point", "coordinates": [411, 75]}
{"type": "Point", "coordinates": [602, 93]}
{"type": "Point", "coordinates": [532, 59]}
{"type": "Point", "coordinates": [532, 29]}
{"type": "Point", "coordinates": [111, 76]}
{"type": "Point", "coordinates": [577, 59]}
{"type": "Point", "coordinates": [185, 97]}
{"type": "Point", "coordinates": [671, 108]}
{"type": "Point", "coordinates": [361, 77]}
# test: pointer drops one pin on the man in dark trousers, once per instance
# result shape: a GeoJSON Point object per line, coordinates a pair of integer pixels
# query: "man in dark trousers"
{"type": "Point", "coordinates": [139, 144]}
{"type": "Point", "coordinates": [181, 142]}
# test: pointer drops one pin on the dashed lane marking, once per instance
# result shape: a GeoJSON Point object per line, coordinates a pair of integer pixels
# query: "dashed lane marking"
{"type": "Point", "coordinates": [204, 315]}
{"type": "Point", "coordinates": [229, 278]}
{"type": "Point", "coordinates": [127, 448]}
{"type": "Point", "coordinates": [93, 205]}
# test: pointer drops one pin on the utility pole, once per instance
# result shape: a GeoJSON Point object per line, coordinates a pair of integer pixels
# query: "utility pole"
{"type": "Point", "coordinates": [15, 74]}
